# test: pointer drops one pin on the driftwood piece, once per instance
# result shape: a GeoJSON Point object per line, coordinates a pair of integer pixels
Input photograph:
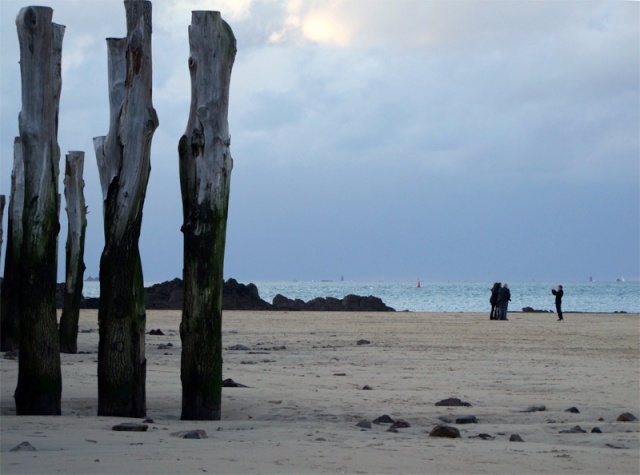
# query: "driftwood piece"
{"type": "Point", "coordinates": [9, 314]}
{"type": "Point", "coordinates": [39, 377]}
{"type": "Point", "coordinates": [124, 163]}
{"type": "Point", "coordinates": [205, 172]}
{"type": "Point", "coordinates": [74, 263]}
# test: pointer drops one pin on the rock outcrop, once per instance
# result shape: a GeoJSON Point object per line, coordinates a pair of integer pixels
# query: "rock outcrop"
{"type": "Point", "coordinates": [350, 303]}
{"type": "Point", "coordinates": [236, 296]}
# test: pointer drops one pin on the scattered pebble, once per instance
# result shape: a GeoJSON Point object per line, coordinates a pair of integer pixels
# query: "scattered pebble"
{"type": "Point", "coordinates": [445, 431]}
{"type": "Point", "coordinates": [23, 447]}
{"type": "Point", "coordinates": [400, 424]}
{"type": "Point", "coordinates": [364, 424]}
{"type": "Point", "coordinates": [574, 430]}
{"type": "Point", "coordinates": [239, 348]}
{"type": "Point", "coordinates": [385, 419]}
{"type": "Point", "coordinates": [626, 417]}
{"type": "Point", "coordinates": [467, 420]}
{"type": "Point", "coordinates": [190, 434]}
{"type": "Point", "coordinates": [452, 401]}
{"type": "Point", "coordinates": [130, 427]}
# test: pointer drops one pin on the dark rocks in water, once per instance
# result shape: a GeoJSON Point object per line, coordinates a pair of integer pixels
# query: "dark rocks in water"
{"type": "Point", "coordinates": [574, 430]}
{"type": "Point", "coordinates": [444, 419]}
{"type": "Point", "coordinates": [596, 430]}
{"type": "Point", "coordinates": [366, 387]}
{"type": "Point", "coordinates": [626, 417]}
{"type": "Point", "coordinates": [235, 296]}
{"type": "Point", "coordinates": [323, 304]}
{"type": "Point", "coordinates": [350, 303]}
{"type": "Point", "coordinates": [156, 332]}
{"type": "Point", "coordinates": [357, 303]}
{"type": "Point", "coordinates": [164, 296]}
{"type": "Point", "coordinates": [130, 427]}
{"type": "Point", "coordinates": [363, 342]}
{"type": "Point", "coordinates": [574, 410]}
{"type": "Point", "coordinates": [385, 419]}
{"type": "Point", "coordinates": [533, 310]}
{"type": "Point", "coordinates": [536, 408]}
{"type": "Point", "coordinates": [515, 438]}
{"type": "Point", "coordinates": [452, 402]}
{"type": "Point", "coordinates": [445, 431]}
{"type": "Point", "coordinates": [467, 420]}
{"type": "Point", "coordinates": [90, 303]}
{"type": "Point", "coordinates": [284, 303]}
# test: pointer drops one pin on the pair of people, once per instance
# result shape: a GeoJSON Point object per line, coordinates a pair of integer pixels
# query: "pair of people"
{"type": "Point", "coordinates": [500, 298]}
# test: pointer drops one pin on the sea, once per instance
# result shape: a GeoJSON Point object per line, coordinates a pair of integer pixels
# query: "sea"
{"type": "Point", "coordinates": [454, 296]}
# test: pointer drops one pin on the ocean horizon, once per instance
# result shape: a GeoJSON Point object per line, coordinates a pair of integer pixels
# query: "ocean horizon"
{"type": "Point", "coordinates": [453, 296]}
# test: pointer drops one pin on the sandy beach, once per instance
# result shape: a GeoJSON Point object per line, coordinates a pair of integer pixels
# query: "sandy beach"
{"type": "Point", "coordinates": [306, 372]}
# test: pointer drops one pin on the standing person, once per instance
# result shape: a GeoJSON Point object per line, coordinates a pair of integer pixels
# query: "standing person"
{"type": "Point", "coordinates": [493, 301]}
{"type": "Point", "coordinates": [558, 293]}
{"type": "Point", "coordinates": [504, 296]}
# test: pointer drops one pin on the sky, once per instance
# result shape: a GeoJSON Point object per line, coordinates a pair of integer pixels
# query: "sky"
{"type": "Point", "coordinates": [379, 139]}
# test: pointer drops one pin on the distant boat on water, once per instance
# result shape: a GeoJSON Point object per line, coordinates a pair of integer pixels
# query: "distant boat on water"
{"type": "Point", "coordinates": [418, 283]}
{"type": "Point", "coordinates": [620, 279]}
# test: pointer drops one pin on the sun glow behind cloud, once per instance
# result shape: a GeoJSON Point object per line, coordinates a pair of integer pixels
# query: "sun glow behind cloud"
{"type": "Point", "coordinates": [323, 28]}
{"type": "Point", "coordinates": [317, 23]}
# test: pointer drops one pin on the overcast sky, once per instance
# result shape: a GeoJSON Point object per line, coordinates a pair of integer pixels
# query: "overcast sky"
{"type": "Point", "coordinates": [393, 140]}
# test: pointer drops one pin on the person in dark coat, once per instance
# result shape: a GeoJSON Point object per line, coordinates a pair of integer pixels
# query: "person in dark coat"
{"type": "Point", "coordinates": [493, 300]}
{"type": "Point", "coordinates": [558, 293]}
{"type": "Point", "coordinates": [504, 296]}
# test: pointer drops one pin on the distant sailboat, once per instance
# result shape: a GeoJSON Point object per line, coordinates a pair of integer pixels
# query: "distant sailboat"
{"type": "Point", "coordinates": [418, 283]}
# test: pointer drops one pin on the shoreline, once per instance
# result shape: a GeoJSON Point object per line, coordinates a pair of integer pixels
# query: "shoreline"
{"type": "Point", "coordinates": [385, 297]}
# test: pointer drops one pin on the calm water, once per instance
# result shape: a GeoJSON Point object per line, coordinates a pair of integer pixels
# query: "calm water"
{"type": "Point", "coordinates": [457, 296]}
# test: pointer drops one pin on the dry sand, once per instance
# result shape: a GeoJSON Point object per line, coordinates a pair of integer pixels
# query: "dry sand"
{"type": "Point", "coordinates": [306, 375]}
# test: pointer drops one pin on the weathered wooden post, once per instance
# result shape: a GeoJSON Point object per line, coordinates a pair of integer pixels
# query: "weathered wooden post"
{"type": "Point", "coordinates": [2, 203]}
{"type": "Point", "coordinates": [124, 164]}
{"type": "Point", "coordinates": [9, 310]}
{"type": "Point", "coordinates": [205, 173]}
{"type": "Point", "coordinates": [39, 378]}
{"type": "Point", "coordinates": [76, 231]}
